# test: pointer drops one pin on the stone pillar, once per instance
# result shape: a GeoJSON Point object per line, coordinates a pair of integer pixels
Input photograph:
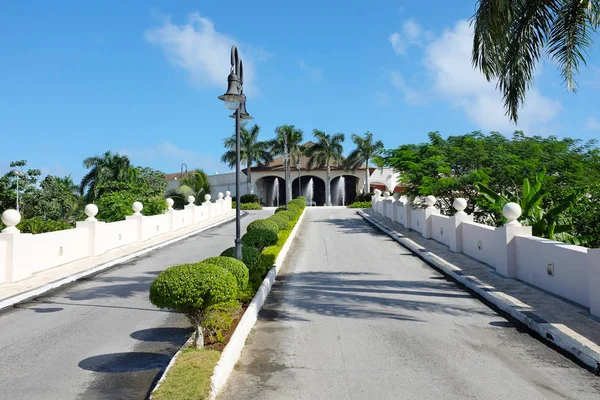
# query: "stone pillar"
{"type": "Point", "coordinates": [594, 281]}
{"type": "Point", "coordinates": [190, 207]}
{"type": "Point", "coordinates": [228, 206]}
{"type": "Point", "coordinates": [456, 236]}
{"type": "Point", "coordinates": [171, 214]}
{"type": "Point", "coordinates": [208, 205]}
{"type": "Point", "coordinates": [138, 217]}
{"type": "Point", "coordinates": [386, 205]}
{"type": "Point", "coordinates": [507, 260]}
{"type": "Point", "coordinates": [14, 250]}
{"type": "Point", "coordinates": [375, 199]}
{"type": "Point", "coordinates": [221, 204]}
{"type": "Point", "coordinates": [96, 243]}
{"type": "Point", "coordinates": [429, 211]}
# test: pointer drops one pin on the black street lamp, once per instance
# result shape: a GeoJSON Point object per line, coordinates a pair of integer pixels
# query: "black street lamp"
{"type": "Point", "coordinates": [235, 100]}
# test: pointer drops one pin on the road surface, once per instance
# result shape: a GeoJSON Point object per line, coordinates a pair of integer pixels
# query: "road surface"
{"type": "Point", "coordinates": [100, 338]}
{"type": "Point", "coordinates": [356, 316]}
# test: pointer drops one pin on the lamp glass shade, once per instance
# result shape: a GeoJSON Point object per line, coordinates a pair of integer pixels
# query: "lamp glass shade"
{"type": "Point", "coordinates": [231, 105]}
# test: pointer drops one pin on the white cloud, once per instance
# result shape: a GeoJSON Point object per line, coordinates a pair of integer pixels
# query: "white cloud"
{"type": "Point", "coordinates": [411, 95]}
{"type": "Point", "coordinates": [448, 59]}
{"type": "Point", "coordinates": [315, 73]}
{"type": "Point", "coordinates": [592, 124]}
{"type": "Point", "coordinates": [173, 155]}
{"type": "Point", "coordinates": [411, 35]}
{"type": "Point", "coordinates": [204, 53]}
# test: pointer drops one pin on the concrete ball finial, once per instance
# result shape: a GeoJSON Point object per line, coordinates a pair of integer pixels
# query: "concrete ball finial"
{"type": "Point", "coordinates": [91, 210]}
{"type": "Point", "coordinates": [377, 192]}
{"type": "Point", "coordinates": [512, 211]}
{"type": "Point", "coordinates": [430, 201]}
{"type": "Point", "coordinates": [220, 195]}
{"type": "Point", "coordinates": [228, 194]}
{"type": "Point", "coordinates": [459, 204]}
{"type": "Point", "coordinates": [386, 194]}
{"type": "Point", "coordinates": [207, 197]}
{"type": "Point", "coordinates": [11, 219]}
{"type": "Point", "coordinates": [137, 208]}
{"type": "Point", "coordinates": [191, 199]}
{"type": "Point", "coordinates": [170, 203]}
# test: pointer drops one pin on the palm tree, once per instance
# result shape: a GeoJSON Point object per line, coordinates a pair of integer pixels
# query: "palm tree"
{"type": "Point", "coordinates": [294, 141]}
{"type": "Point", "coordinates": [251, 150]}
{"type": "Point", "coordinates": [193, 184]}
{"type": "Point", "coordinates": [510, 37]}
{"type": "Point", "coordinates": [105, 168]}
{"type": "Point", "coordinates": [327, 149]}
{"type": "Point", "coordinates": [364, 151]}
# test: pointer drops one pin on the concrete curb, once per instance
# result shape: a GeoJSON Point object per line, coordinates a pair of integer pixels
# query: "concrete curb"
{"type": "Point", "coordinates": [10, 301]}
{"type": "Point", "coordinates": [233, 350]}
{"type": "Point", "coordinates": [550, 333]}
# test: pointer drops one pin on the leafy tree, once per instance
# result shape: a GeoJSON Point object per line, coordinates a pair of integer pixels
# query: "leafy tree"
{"type": "Point", "coordinates": [365, 150]}
{"type": "Point", "coordinates": [192, 289]}
{"type": "Point", "coordinates": [550, 222]}
{"type": "Point", "coordinates": [511, 36]}
{"type": "Point", "coordinates": [326, 151]}
{"type": "Point", "coordinates": [105, 168]}
{"type": "Point", "coordinates": [193, 184]}
{"type": "Point", "coordinates": [25, 182]}
{"type": "Point", "coordinates": [450, 168]}
{"type": "Point", "coordinates": [251, 150]}
{"type": "Point", "coordinates": [59, 199]}
{"type": "Point", "coordinates": [117, 198]}
{"type": "Point", "coordinates": [295, 138]}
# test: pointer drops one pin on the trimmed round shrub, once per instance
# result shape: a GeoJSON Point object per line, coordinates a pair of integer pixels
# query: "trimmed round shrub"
{"type": "Point", "coordinates": [300, 202]}
{"type": "Point", "coordinates": [259, 238]}
{"type": "Point", "coordinates": [250, 257]}
{"type": "Point", "coordinates": [280, 208]}
{"type": "Point", "coordinates": [263, 224]}
{"type": "Point", "coordinates": [289, 215]}
{"type": "Point", "coordinates": [293, 208]}
{"type": "Point", "coordinates": [233, 265]}
{"type": "Point", "coordinates": [282, 221]}
{"type": "Point", "coordinates": [191, 289]}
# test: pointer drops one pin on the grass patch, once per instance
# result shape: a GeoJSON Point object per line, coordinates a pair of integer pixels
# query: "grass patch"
{"type": "Point", "coordinates": [189, 377]}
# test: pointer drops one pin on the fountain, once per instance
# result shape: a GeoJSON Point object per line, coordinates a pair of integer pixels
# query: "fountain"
{"type": "Point", "coordinates": [340, 191]}
{"type": "Point", "coordinates": [275, 194]}
{"type": "Point", "coordinates": [309, 192]}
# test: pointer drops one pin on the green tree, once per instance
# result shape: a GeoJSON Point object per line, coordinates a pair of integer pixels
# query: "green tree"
{"type": "Point", "coordinates": [102, 169]}
{"type": "Point", "coordinates": [548, 222]}
{"type": "Point", "coordinates": [251, 150]}
{"type": "Point", "coordinates": [365, 150]}
{"type": "Point", "coordinates": [23, 182]}
{"type": "Point", "coordinates": [194, 184]}
{"type": "Point", "coordinates": [511, 36]}
{"type": "Point", "coordinates": [295, 138]}
{"type": "Point", "coordinates": [59, 199]}
{"type": "Point", "coordinates": [323, 153]}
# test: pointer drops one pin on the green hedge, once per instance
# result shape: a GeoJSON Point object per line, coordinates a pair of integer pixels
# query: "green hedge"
{"type": "Point", "coordinates": [247, 206]}
{"type": "Point", "coordinates": [219, 318]}
{"type": "Point", "coordinates": [263, 224]}
{"type": "Point", "coordinates": [259, 238]}
{"type": "Point", "coordinates": [250, 257]}
{"type": "Point", "coordinates": [249, 198]}
{"type": "Point", "coordinates": [237, 268]}
{"type": "Point", "coordinates": [289, 215]}
{"type": "Point", "coordinates": [280, 208]}
{"type": "Point", "coordinates": [360, 204]}
{"type": "Point", "coordinates": [40, 225]}
{"type": "Point", "coordinates": [282, 221]}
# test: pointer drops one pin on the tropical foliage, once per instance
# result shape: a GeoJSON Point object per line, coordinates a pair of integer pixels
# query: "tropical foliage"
{"type": "Point", "coordinates": [295, 137]}
{"type": "Point", "coordinates": [324, 153]}
{"type": "Point", "coordinates": [511, 36]}
{"type": "Point", "coordinates": [251, 150]}
{"type": "Point", "coordinates": [103, 169]}
{"type": "Point", "coordinates": [366, 149]}
{"type": "Point", "coordinates": [456, 166]}
{"type": "Point", "coordinates": [194, 184]}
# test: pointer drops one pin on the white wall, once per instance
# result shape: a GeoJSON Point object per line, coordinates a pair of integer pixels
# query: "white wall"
{"type": "Point", "coordinates": [481, 242]}
{"type": "Point", "coordinates": [417, 221]}
{"type": "Point", "coordinates": [570, 267]}
{"type": "Point", "coordinates": [22, 255]}
{"type": "Point", "coordinates": [441, 228]}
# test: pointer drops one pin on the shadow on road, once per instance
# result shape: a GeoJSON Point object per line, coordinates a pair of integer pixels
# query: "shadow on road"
{"type": "Point", "coordinates": [125, 362]}
{"type": "Point", "coordinates": [167, 334]}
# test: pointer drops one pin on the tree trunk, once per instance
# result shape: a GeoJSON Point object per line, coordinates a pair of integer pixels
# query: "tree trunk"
{"type": "Point", "coordinates": [249, 179]}
{"type": "Point", "coordinates": [367, 187]}
{"type": "Point", "coordinates": [328, 186]}
{"type": "Point", "coordinates": [199, 334]}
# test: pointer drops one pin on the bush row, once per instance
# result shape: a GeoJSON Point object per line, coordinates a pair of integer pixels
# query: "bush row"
{"type": "Point", "coordinates": [210, 292]}
{"type": "Point", "coordinates": [360, 204]}
{"type": "Point", "coordinates": [247, 206]}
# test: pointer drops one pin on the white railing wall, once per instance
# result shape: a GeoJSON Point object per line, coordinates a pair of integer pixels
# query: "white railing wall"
{"type": "Point", "coordinates": [572, 272]}
{"type": "Point", "coordinates": [22, 254]}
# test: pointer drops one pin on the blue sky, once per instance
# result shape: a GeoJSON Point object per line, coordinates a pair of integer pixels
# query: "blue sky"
{"type": "Point", "coordinates": [142, 78]}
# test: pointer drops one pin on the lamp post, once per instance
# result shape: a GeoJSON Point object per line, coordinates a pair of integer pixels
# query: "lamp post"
{"type": "Point", "coordinates": [235, 100]}
{"type": "Point", "coordinates": [18, 174]}
{"type": "Point", "coordinates": [286, 159]}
